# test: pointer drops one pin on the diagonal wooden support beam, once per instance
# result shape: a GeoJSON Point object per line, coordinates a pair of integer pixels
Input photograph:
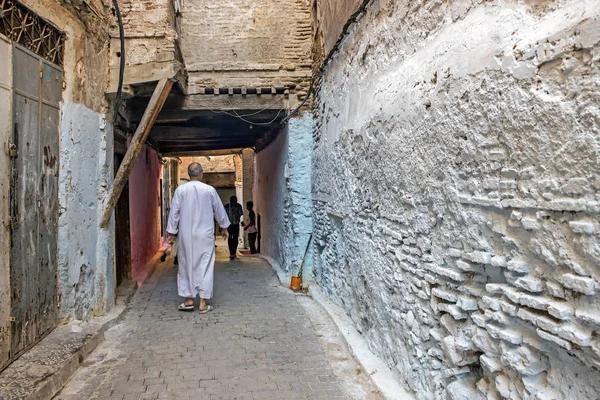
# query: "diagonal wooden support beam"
{"type": "Point", "coordinates": [141, 133]}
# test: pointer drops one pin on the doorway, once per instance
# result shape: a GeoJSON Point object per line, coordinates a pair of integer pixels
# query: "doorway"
{"type": "Point", "coordinates": [34, 206]}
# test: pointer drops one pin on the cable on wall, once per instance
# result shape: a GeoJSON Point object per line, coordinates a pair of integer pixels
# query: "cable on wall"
{"type": "Point", "coordinates": [121, 61]}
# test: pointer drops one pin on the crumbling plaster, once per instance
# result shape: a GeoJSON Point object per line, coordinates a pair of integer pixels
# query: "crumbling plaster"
{"type": "Point", "coordinates": [150, 34]}
{"type": "Point", "coordinates": [85, 252]}
{"type": "Point", "coordinates": [282, 195]}
{"type": "Point", "coordinates": [456, 194]}
{"type": "Point", "coordinates": [209, 164]}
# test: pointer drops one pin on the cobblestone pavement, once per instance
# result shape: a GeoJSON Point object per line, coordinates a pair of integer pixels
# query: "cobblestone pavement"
{"type": "Point", "coordinates": [258, 343]}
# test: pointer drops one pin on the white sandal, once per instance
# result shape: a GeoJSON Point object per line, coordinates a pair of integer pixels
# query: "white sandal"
{"type": "Point", "coordinates": [208, 308]}
{"type": "Point", "coordinates": [183, 307]}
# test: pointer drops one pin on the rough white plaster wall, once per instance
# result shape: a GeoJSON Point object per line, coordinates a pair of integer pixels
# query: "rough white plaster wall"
{"type": "Point", "coordinates": [456, 194]}
{"type": "Point", "coordinates": [282, 193]}
{"type": "Point", "coordinates": [85, 252]}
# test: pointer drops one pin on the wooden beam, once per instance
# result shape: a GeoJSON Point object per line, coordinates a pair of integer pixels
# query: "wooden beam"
{"type": "Point", "coordinates": [239, 102]}
{"type": "Point", "coordinates": [201, 153]}
{"type": "Point", "coordinates": [144, 73]}
{"type": "Point", "coordinates": [181, 108]}
{"type": "Point", "coordinates": [162, 133]}
{"type": "Point", "coordinates": [161, 91]}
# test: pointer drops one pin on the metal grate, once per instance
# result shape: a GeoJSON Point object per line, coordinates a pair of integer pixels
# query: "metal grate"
{"type": "Point", "coordinates": [20, 24]}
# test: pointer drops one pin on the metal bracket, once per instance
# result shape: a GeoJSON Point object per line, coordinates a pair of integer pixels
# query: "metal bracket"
{"type": "Point", "coordinates": [12, 319]}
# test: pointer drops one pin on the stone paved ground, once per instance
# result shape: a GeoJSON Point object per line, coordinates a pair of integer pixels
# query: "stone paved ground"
{"type": "Point", "coordinates": [258, 343]}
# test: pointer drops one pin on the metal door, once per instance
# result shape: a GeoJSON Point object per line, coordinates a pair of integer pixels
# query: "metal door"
{"type": "Point", "coordinates": [34, 198]}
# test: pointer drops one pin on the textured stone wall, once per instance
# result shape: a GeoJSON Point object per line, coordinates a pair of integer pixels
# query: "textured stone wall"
{"type": "Point", "coordinates": [149, 29]}
{"type": "Point", "coordinates": [151, 49]}
{"type": "Point", "coordinates": [85, 252]}
{"type": "Point", "coordinates": [282, 195]}
{"type": "Point", "coordinates": [239, 43]}
{"type": "Point", "coordinates": [456, 194]}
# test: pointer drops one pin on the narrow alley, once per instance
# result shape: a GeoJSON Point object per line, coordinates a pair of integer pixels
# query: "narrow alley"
{"type": "Point", "coordinates": [258, 343]}
{"type": "Point", "coordinates": [410, 192]}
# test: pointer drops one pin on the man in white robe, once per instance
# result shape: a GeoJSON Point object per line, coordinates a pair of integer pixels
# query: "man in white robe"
{"type": "Point", "coordinates": [194, 208]}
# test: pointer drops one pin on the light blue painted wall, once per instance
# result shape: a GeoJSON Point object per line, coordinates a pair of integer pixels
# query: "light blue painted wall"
{"type": "Point", "coordinates": [85, 252]}
{"type": "Point", "coordinates": [282, 193]}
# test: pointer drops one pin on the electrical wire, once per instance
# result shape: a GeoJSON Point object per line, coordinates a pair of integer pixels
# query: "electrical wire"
{"type": "Point", "coordinates": [122, 60]}
{"type": "Point", "coordinates": [245, 120]}
{"type": "Point", "coordinates": [254, 113]}
{"type": "Point", "coordinates": [306, 97]}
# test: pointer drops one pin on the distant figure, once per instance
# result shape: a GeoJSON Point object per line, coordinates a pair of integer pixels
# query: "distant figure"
{"type": "Point", "coordinates": [194, 208]}
{"type": "Point", "coordinates": [250, 227]}
{"type": "Point", "coordinates": [234, 213]}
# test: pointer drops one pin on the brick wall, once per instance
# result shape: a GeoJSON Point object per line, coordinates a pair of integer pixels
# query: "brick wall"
{"type": "Point", "coordinates": [238, 43]}
{"type": "Point", "coordinates": [456, 195]}
{"type": "Point", "coordinates": [150, 40]}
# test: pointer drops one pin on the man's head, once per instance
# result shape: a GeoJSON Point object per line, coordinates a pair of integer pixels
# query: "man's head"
{"type": "Point", "coordinates": [233, 200]}
{"type": "Point", "coordinates": [249, 205]}
{"type": "Point", "coordinates": [195, 171]}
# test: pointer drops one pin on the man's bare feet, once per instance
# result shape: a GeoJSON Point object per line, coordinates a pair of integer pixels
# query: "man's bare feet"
{"type": "Point", "coordinates": [189, 301]}
{"type": "Point", "coordinates": [203, 305]}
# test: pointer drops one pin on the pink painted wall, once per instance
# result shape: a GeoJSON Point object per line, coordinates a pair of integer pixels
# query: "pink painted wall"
{"type": "Point", "coordinates": [144, 210]}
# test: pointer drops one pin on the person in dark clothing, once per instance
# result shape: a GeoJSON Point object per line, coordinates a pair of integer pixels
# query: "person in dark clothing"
{"type": "Point", "coordinates": [235, 212]}
{"type": "Point", "coordinates": [250, 227]}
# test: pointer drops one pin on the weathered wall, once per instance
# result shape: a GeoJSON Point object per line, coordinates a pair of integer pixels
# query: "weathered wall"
{"type": "Point", "coordinates": [144, 210]}
{"type": "Point", "coordinates": [85, 252]}
{"type": "Point", "coordinates": [209, 164]}
{"type": "Point", "coordinates": [282, 195]}
{"type": "Point", "coordinates": [150, 42]}
{"type": "Point", "coordinates": [456, 194]}
{"type": "Point", "coordinates": [238, 43]}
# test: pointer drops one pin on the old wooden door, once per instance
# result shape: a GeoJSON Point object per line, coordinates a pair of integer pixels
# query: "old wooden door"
{"type": "Point", "coordinates": [37, 90]}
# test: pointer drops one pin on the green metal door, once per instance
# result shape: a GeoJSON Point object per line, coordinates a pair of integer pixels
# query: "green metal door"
{"type": "Point", "coordinates": [37, 90]}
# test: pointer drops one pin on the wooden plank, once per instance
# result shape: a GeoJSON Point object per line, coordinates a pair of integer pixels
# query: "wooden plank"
{"type": "Point", "coordinates": [238, 102]}
{"type": "Point", "coordinates": [141, 133]}
{"type": "Point", "coordinates": [143, 73]}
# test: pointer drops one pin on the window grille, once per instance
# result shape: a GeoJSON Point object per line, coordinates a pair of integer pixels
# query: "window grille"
{"type": "Point", "coordinates": [23, 26]}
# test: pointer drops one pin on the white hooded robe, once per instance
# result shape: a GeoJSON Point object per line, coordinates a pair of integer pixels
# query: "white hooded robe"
{"type": "Point", "coordinates": [194, 208]}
